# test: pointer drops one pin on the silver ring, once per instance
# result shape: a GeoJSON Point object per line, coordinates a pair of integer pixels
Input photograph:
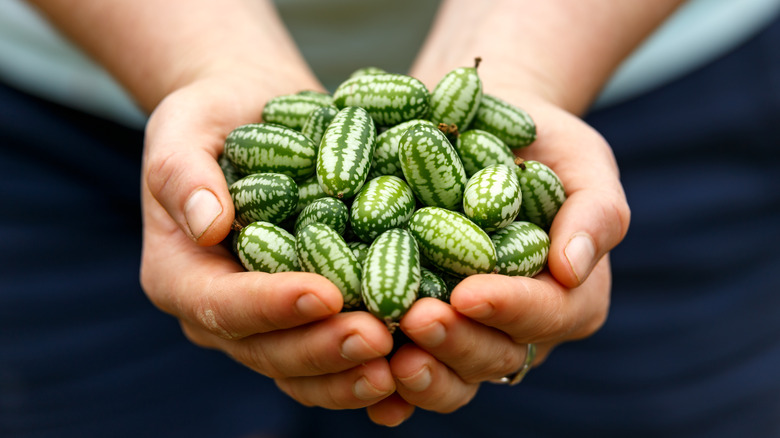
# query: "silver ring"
{"type": "Point", "coordinates": [517, 376]}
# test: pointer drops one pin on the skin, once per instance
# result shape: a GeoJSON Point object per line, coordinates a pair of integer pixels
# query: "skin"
{"type": "Point", "coordinates": [204, 71]}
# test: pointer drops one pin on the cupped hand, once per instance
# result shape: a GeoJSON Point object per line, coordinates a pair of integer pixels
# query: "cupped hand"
{"type": "Point", "coordinates": [286, 326]}
{"type": "Point", "coordinates": [483, 333]}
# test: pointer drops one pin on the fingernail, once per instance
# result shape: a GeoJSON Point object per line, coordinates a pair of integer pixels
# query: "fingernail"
{"type": "Point", "coordinates": [200, 211]}
{"type": "Point", "coordinates": [356, 349]}
{"type": "Point", "coordinates": [364, 390]}
{"type": "Point", "coordinates": [580, 252]}
{"type": "Point", "coordinates": [311, 306]}
{"type": "Point", "coordinates": [430, 336]}
{"type": "Point", "coordinates": [419, 381]}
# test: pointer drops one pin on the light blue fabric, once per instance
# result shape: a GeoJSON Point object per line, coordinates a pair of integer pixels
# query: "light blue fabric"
{"type": "Point", "coordinates": [37, 59]}
{"type": "Point", "coordinates": [698, 32]}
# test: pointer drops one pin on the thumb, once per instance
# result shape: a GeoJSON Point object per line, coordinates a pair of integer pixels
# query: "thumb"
{"type": "Point", "coordinates": [182, 173]}
{"type": "Point", "coordinates": [589, 225]}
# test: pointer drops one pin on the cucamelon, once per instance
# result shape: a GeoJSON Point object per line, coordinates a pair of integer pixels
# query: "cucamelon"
{"type": "Point", "coordinates": [309, 190]}
{"type": "Point", "coordinates": [292, 110]}
{"type": "Point", "coordinates": [522, 249]}
{"type": "Point", "coordinates": [317, 122]}
{"type": "Point", "coordinates": [391, 275]}
{"type": "Point", "coordinates": [513, 125]}
{"type": "Point", "coordinates": [323, 251]}
{"type": "Point", "coordinates": [543, 193]}
{"type": "Point", "coordinates": [264, 147]}
{"type": "Point", "coordinates": [455, 99]}
{"type": "Point", "coordinates": [433, 286]}
{"type": "Point", "coordinates": [328, 211]}
{"type": "Point", "coordinates": [452, 242]}
{"type": "Point", "coordinates": [492, 197]}
{"type": "Point", "coordinates": [478, 149]}
{"type": "Point", "coordinates": [265, 247]}
{"type": "Point", "coordinates": [345, 152]}
{"type": "Point", "coordinates": [390, 98]}
{"type": "Point", "coordinates": [386, 152]}
{"type": "Point", "coordinates": [383, 203]}
{"type": "Point", "coordinates": [432, 167]}
{"type": "Point", "coordinates": [270, 197]}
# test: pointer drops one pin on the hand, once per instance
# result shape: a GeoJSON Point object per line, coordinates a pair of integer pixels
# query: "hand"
{"type": "Point", "coordinates": [285, 326]}
{"type": "Point", "coordinates": [482, 334]}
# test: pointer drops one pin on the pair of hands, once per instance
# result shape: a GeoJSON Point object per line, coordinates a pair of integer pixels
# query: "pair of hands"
{"type": "Point", "coordinates": [288, 327]}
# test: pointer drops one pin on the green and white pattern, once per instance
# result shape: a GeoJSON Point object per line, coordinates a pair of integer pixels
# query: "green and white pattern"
{"type": "Point", "coordinates": [391, 275]}
{"type": "Point", "coordinates": [492, 197]}
{"type": "Point", "coordinates": [431, 167]}
{"type": "Point", "coordinates": [543, 193]}
{"type": "Point", "coordinates": [386, 152]}
{"type": "Point", "coordinates": [263, 147]}
{"type": "Point", "coordinates": [270, 197]}
{"type": "Point", "coordinates": [308, 190]}
{"type": "Point", "coordinates": [390, 98]}
{"type": "Point", "coordinates": [265, 247]}
{"type": "Point", "coordinates": [433, 286]}
{"type": "Point", "coordinates": [478, 149]}
{"type": "Point", "coordinates": [292, 110]}
{"type": "Point", "coordinates": [511, 124]}
{"type": "Point", "coordinates": [455, 99]}
{"type": "Point", "coordinates": [522, 249]}
{"type": "Point", "coordinates": [345, 153]}
{"type": "Point", "coordinates": [385, 202]}
{"type": "Point", "coordinates": [323, 251]}
{"type": "Point", "coordinates": [452, 243]}
{"type": "Point", "coordinates": [318, 121]}
{"type": "Point", "coordinates": [329, 211]}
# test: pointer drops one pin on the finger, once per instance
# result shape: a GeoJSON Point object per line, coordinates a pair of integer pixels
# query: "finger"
{"type": "Point", "coordinates": [181, 169]}
{"type": "Point", "coordinates": [536, 309]}
{"type": "Point", "coordinates": [329, 346]}
{"type": "Point", "coordinates": [473, 351]}
{"type": "Point", "coordinates": [595, 216]}
{"type": "Point", "coordinates": [357, 387]}
{"type": "Point", "coordinates": [425, 382]}
{"type": "Point", "coordinates": [391, 411]}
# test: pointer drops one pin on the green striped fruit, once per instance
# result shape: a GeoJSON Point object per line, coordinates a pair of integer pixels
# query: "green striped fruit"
{"type": "Point", "coordinates": [328, 211]}
{"type": "Point", "coordinates": [513, 125]}
{"type": "Point", "coordinates": [292, 110]}
{"type": "Point", "coordinates": [478, 149]}
{"type": "Point", "coordinates": [386, 152]}
{"type": "Point", "coordinates": [452, 243]}
{"type": "Point", "coordinates": [543, 193]}
{"type": "Point", "coordinates": [360, 249]}
{"type": "Point", "coordinates": [432, 167]}
{"type": "Point", "coordinates": [323, 251]}
{"type": "Point", "coordinates": [391, 275]}
{"type": "Point", "coordinates": [492, 197]}
{"type": "Point", "coordinates": [455, 99]}
{"type": "Point", "coordinates": [317, 122]}
{"type": "Point", "coordinates": [385, 202]}
{"type": "Point", "coordinates": [345, 152]}
{"type": "Point", "coordinates": [433, 286]}
{"type": "Point", "coordinates": [269, 197]}
{"type": "Point", "coordinates": [322, 97]}
{"type": "Point", "coordinates": [265, 247]}
{"type": "Point", "coordinates": [228, 170]}
{"type": "Point", "coordinates": [263, 147]}
{"type": "Point", "coordinates": [390, 98]}
{"type": "Point", "coordinates": [522, 249]}
{"type": "Point", "coordinates": [366, 71]}
{"type": "Point", "coordinates": [308, 190]}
